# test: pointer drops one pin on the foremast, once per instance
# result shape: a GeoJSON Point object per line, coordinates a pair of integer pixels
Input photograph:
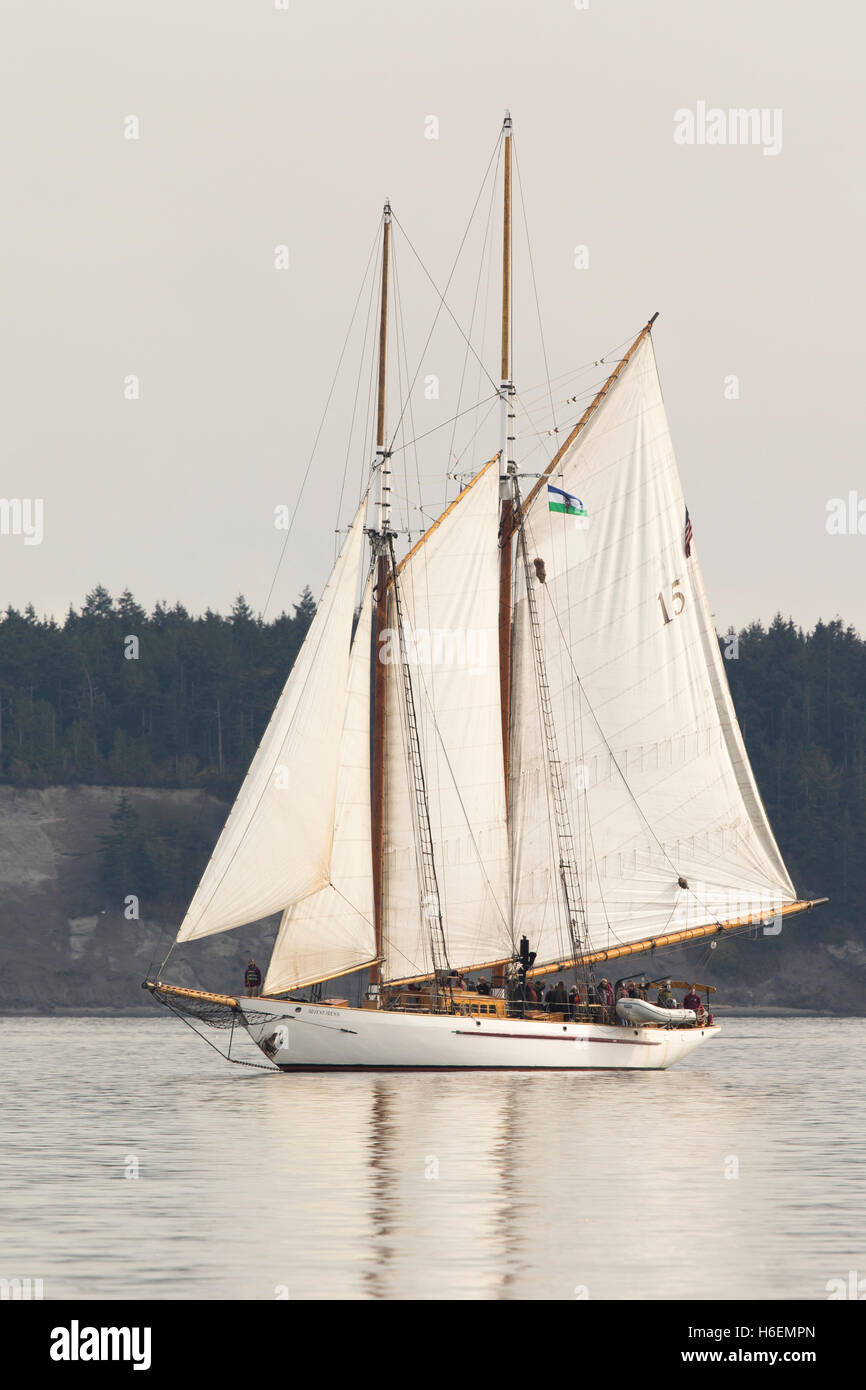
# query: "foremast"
{"type": "Point", "coordinates": [381, 541]}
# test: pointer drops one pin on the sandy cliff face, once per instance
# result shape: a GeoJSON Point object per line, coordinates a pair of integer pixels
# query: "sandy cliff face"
{"type": "Point", "coordinates": [63, 942]}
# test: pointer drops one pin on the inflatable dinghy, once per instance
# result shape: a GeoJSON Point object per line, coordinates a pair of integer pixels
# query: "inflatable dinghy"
{"type": "Point", "coordinates": [641, 1011]}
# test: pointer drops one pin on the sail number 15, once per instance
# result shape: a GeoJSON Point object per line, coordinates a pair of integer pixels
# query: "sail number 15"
{"type": "Point", "coordinates": [678, 602]}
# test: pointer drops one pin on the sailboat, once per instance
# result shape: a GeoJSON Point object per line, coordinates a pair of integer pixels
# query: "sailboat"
{"type": "Point", "coordinates": [517, 759]}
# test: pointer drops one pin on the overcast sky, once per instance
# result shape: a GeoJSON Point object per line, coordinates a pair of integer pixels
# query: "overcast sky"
{"type": "Point", "coordinates": [154, 257]}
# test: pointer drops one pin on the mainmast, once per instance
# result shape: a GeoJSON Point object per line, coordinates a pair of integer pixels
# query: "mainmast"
{"type": "Point", "coordinates": [506, 485]}
{"type": "Point", "coordinates": [381, 543]}
{"type": "Point", "coordinates": [506, 458]}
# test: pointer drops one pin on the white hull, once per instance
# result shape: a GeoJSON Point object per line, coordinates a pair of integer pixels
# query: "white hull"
{"type": "Point", "coordinates": [315, 1037]}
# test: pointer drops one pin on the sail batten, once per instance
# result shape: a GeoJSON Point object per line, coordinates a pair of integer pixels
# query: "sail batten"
{"type": "Point", "coordinates": [275, 847]}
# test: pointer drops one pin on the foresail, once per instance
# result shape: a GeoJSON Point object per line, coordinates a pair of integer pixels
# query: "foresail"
{"type": "Point", "coordinates": [659, 784]}
{"type": "Point", "coordinates": [332, 932]}
{"type": "Point", "coordinates": [450, 594]}
{"type": "Point", "coordinates": [275, 847]}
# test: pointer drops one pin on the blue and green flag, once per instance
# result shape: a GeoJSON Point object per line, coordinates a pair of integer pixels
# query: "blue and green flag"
{"type": "Point", "coordinates": [559, 501]}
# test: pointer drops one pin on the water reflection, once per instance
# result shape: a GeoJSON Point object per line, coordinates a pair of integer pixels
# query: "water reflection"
{"type": "Point", "coordinates": [430, 1186]}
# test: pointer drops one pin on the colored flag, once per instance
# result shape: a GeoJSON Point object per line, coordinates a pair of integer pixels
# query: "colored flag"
{"type": "Point", "coordinates": [559, 501]}
{"type": "Point", "coordinates": [688, 534]}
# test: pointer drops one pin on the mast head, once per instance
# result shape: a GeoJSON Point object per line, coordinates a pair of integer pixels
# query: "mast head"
{"type": "Point", "coordinates": [506, 124]}
{"type": "Point", "coordinates": [386, 211]}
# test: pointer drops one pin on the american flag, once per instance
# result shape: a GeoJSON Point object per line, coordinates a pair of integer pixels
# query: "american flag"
{"type": "Point", "coordinates": [688, 534]}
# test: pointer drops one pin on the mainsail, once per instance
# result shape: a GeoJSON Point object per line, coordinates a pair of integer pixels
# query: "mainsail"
{"type": "Point", "coordinates": [332, 932]}
{"type": "Point", "coordinates": [275, 847]}
{"type": "Point", "coordinates": [449, 588]}
{"type": "Point", "coordinates": [668, 821]}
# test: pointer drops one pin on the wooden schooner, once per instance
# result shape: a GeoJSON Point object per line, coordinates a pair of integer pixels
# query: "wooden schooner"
{"type": "Point", "coordinates": [520, 758]}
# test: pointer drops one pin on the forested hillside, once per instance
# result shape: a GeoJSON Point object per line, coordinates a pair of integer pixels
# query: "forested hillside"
{"type": "Point", "coordinates": [801, 702]}
{"type": "Point", "coordinates": [114, 696]}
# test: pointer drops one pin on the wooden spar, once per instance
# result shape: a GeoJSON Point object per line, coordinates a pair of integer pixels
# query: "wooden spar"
{"type": "Point", "coordinates": [635, 948]}
{"type": "Point", "coordinates": [506, 253]}
{"type": "Point", "coordinates": [649, 943]}
{"type": "Point", "coordinates": [157, 987]}
{"type": "Point", "coordinates": [383, 341]}
{"type": "Point", "coordinates": [588, 413]}
{"type": "Point", "coordinates": [377, 800]}
{"type": "Point", "coordinates": [506, 506]}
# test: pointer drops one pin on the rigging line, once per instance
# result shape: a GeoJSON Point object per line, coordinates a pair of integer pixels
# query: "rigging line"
{"type": "Point", "coordinates": [426, 858]}
{"type": "Point", "coordinates": [554, 897]}
{"type": "Point", "coordinates": [534, 283]}
{"type": "Point", "coordinates": [712, 915]}
{"type": "Point", "coordinates": [353, 906]}
{"type": "Point", "coordinates": [374, 281]}
{"type": "Point", "coordinates": [485, 319]}
{"type": "Point", "coordinates": [581, 688]}
{"type": "Point", "coordinates": [236, 1061]}
{"type": "Point", "coordinates": [401, 333]}
{"type": "Point", "coordinates": [368, 444]}
{"type": "Point", "coordinates": [570, 884]}
{"type": "Point", "coordinates": [533, 412]}
{"type": "Point", "coordinates": [444, 423]}
{"type": "Point", "coordinates": [425, 572]}
{"type": "Point", "coordinates": [480, 276]}
{"type": "Point", "coordinates": [400, 396]}
{"type": "Point", "coordinates": [581, 370]}
{"type": "Point", "coordinates": [565, 427]}
{"type": "Point", "coordinates": [494, 156]}
{"type": "Point", "coordinates": [491, 403]}
{"type": "Point", "coordinates": [321, 422]}
{"type": "Point", "coordinates": [442, 304]}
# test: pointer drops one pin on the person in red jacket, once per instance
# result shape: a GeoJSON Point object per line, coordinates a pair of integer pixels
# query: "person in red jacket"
{"type": "Point", "coordinates": [252, 978]}
{"type": "Point", "coordinates": [692, 999]}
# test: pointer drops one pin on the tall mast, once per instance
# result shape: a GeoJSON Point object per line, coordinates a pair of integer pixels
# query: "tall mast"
{"type": "Point", "coordinates": [506, 486]}
{"type": "Point", "coordinates": [506, 459]}
{"type": "Point", "coordinates": [381, 541]}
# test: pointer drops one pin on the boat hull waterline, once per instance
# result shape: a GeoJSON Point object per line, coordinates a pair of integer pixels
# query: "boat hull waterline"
{"type": "Point", "coordinates": [309, 1037]}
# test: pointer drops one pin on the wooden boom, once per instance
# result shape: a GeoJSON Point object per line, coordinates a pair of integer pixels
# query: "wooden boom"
{"type": "Point", "coordinates": [650, 943]}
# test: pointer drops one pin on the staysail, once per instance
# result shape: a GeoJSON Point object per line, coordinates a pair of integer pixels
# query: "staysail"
{"type": "Point", "coordinates": [332, 932]}
{"type": "Point", "coordinates": [450, 596]}
{"type": "Point", "coordinates": [665, 812]}
{"type": "Point", "coordinates": [275, 847]}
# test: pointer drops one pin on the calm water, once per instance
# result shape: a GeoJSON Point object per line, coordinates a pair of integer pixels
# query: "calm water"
{"type": "Point", "coordinates": [430, 1186]}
